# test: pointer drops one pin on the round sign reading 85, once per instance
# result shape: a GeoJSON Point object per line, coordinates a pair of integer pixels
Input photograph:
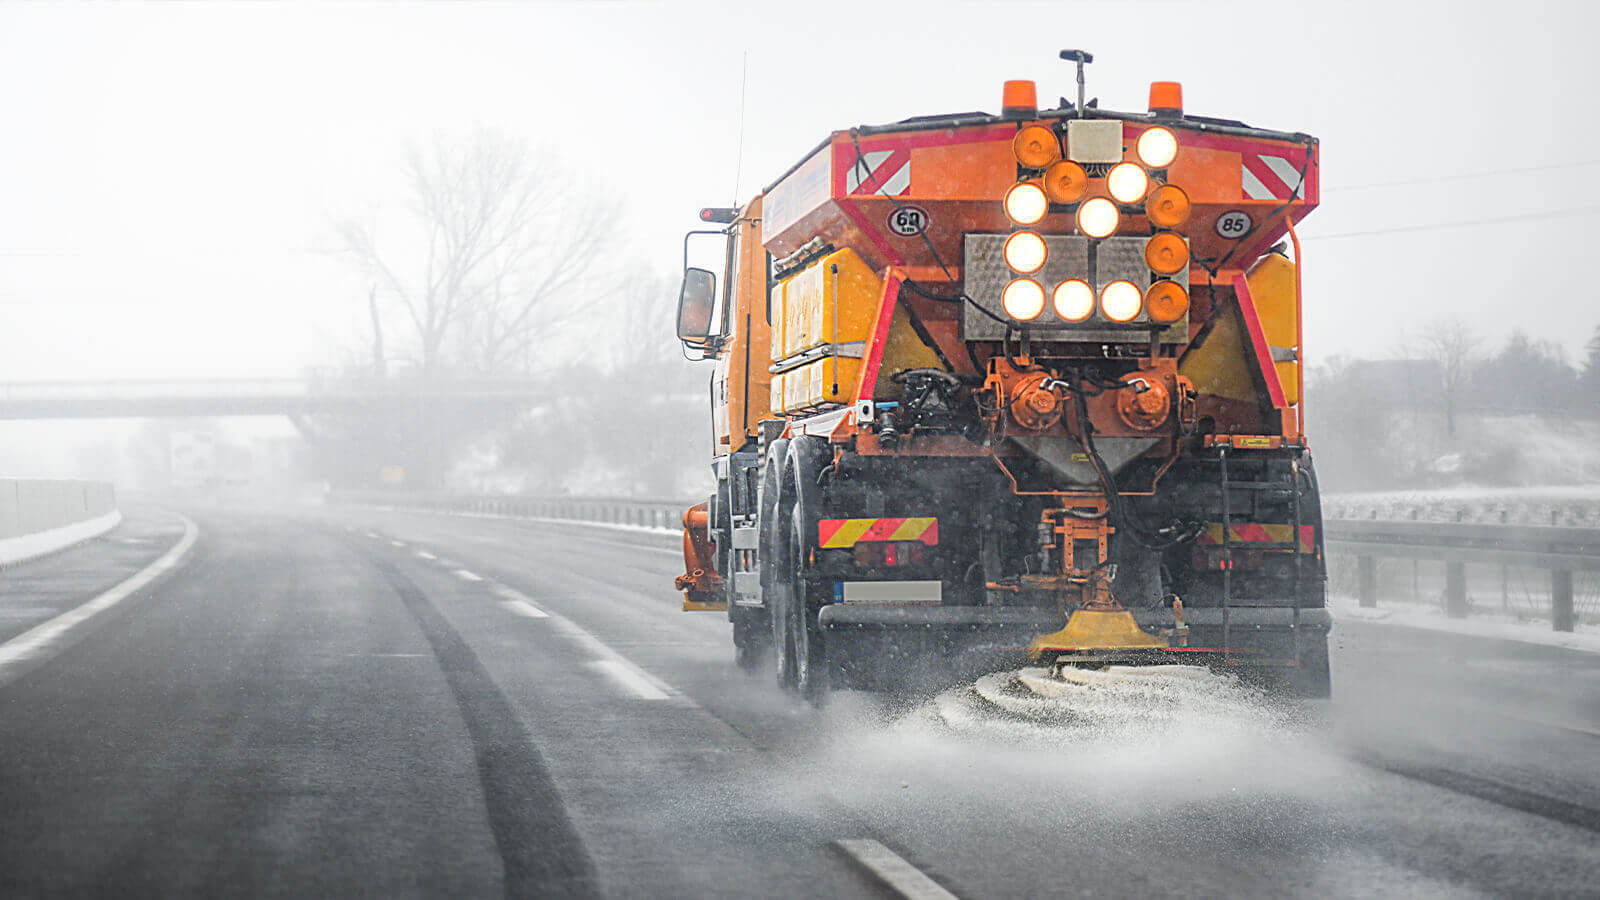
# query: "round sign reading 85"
{"type": "Point", "coordinates": [1233, 225]}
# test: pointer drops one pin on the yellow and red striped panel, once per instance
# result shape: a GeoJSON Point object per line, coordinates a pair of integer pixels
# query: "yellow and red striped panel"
{"type": "Point", "coordinates": [1256, 533]}
{"type": "Point", "coordinates": [833, 534]}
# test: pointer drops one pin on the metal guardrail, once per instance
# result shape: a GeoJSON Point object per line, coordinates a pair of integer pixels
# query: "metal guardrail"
{"type": "Point", "coordinates": [638, 512]}
{"type": "Point", "coordinates": [1560, 551]}
{"type": "Point", "coordinates": [1530, 508]}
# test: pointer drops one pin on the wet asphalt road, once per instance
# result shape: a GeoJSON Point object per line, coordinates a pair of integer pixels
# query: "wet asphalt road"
{"type": "Point", "coordinates": [346, 702]}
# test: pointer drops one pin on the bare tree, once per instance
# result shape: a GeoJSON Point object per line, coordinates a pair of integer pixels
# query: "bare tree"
{"type": "Point", "coordinates": [494, 237]}
{"type": "Point", "coordinates": [1454, 349]}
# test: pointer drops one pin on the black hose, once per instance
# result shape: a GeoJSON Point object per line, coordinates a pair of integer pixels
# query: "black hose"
{"type": "Point", "coordinates": [1114, 505]}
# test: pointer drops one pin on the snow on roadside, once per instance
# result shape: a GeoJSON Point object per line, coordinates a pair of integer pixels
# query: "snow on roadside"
{"type": "Point", "coordinates": [1576, 505]}
{"type": "Point", "coordinates": [1585, 638]}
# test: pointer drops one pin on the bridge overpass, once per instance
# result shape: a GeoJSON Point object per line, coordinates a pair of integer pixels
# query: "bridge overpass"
{"type": "Point", "coordinates": [292, 397]}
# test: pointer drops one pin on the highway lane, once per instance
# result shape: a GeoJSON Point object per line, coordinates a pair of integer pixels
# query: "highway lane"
{"type": "Point", "coordinates": [1256, 806]}
{"type": "Point", "coordinates": [353, 701]}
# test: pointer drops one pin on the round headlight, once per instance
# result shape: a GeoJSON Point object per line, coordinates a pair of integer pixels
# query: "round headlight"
{"type": "Point", "coordinates": [1157, 148]}
{"type": "Point", "coordinates": [1066, 182]}
{"type": "Point", "coordinates": [1097, 217]}
{"type": "Point", "coordinates": [1166, 301]}
{"type": "Point", "coordinates": [1036, 146]}
{"type": "Point", "coordinates": [1074, 300]}
{"type": "Point", "coordinates": [1167, 206]}
{"type": "Point", "coordinates": [1120, 301]}
{"type": "Point", "coordinates": [1026, 203]}
{"type": "Point", "coordinates": [1024, 299]}
{"type": "Point", "coordinates": [1025, 252]}
{"type": "Point", "coordinates": [1127, 182]}
{"type": "Point", "coordinates": [1166, 253]}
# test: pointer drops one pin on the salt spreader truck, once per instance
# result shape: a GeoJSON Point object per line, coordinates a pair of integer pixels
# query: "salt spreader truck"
{"type": "Point", "coordinates": [992, 389]}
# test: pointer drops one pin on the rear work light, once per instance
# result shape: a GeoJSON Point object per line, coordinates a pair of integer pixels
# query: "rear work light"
{"type": "Point", "coordinates": [1023, 299]}
{"type": "Point", "coordinates": [1026, 203]}
{"type": "Point", "coordinates": [1157, 148]}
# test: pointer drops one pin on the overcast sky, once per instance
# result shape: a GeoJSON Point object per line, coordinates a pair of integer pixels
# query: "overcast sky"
{"type": "Point", "coordinates": [169, 174]}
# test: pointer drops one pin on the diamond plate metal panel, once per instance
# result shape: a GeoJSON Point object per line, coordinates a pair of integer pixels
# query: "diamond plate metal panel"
{"type": "Point", "coordinates": [986, 274]}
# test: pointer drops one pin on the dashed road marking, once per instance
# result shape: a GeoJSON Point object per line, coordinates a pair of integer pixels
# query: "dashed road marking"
{"type": "Point", "coordinates": [423, 554]}
{"type": "Point", "coordinates": [631, 678]}
{"type": "Point", "coordinates": [515, 601]}
{"type": "Point", "coordinates": [464, 575]}
{"type": "Point", "coordinates": [524, 609]}
{"type": "Point", "coordinates": [617, 667]}
{"type": "Point", "coordinates": [900, 876]}
{"type": "Point", "coordinates": [397, 543]}
{"type": "Point", "coordinates": [370, 534]}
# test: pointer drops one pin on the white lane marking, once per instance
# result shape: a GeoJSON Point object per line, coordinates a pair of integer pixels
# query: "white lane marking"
{"type": "Point", "coordinates": [390, 655]}
{"type": "Point", "coordinates": [621, 669]}
{"type": "Point", "coordinates": [397, 543]}
{"type": "Point", "coordinates": [38, 642]}
{"type": "Point", "coordinates": [901, 877]}
{"type": "Point", "coordinates": [631, 678]}
{"type": "Point", "coordinates": [464, 575]}
{"type": "Point", "coordinates": [522, 608]}
{"type": "Point", "coordinates": [517, 602]}
{"type": "Point", "coordinates": [370, 534]}
{"type": "Point", "coordinates": [423, 554]}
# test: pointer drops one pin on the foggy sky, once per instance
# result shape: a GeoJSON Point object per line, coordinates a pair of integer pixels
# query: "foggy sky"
{"type": "Point", "coordinates": [171, 174]}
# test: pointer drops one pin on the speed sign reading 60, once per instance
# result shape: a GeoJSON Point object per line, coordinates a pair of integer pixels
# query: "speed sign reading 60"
{"type": "Point", "coordinates": [1233, 225]}
{"type": "Point", "coordinates": [908, 221]}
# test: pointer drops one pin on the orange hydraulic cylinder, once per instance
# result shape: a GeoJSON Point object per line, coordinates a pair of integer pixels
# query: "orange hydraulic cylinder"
{"type": "Point", "coordinates": [700, 582]}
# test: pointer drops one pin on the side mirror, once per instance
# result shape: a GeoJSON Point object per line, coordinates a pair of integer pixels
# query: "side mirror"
{"type": "Point", "coordinates": [697, 299]}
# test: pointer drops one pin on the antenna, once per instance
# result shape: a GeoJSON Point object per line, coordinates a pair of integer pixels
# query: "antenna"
{"type": "Point", "coordinates": [738, 166]}
{"type": "Point", "coordinates": [1080, 57]}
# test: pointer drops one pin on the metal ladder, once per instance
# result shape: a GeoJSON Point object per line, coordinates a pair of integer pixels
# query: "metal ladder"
{"type": "Point", "coordinates": [1294, 544]}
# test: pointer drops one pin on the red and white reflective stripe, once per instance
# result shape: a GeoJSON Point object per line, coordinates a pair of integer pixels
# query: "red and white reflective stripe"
{"type": "Point", "coordinates": [1266, 177]}
{"type": "Point", "coordinates": [880, 172]}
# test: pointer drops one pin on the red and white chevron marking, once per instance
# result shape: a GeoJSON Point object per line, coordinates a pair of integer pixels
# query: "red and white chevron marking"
{"type": "Point", "coordinates": [1266, 177]}
{"type": "Point", "coordinates": [880, 172]}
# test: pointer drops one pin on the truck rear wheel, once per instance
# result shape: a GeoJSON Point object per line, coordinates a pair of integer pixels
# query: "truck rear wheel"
{"type": "Point", "coordinates": [810, 654]}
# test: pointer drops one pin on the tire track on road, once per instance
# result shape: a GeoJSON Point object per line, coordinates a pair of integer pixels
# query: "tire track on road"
{"type": "Point", "coordinates": [1487, 789]}
{"type": "Point", "coordinates": [540, 849]}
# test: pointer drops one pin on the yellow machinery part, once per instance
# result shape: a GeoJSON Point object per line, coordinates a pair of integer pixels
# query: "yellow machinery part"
{"type": "Point", "coordinates": [834, 303]}
{"type": "Point", "coordinates": [1090, 629]}
{"type": "Point", "coordinates": [902, 350]}
{"type": "Point", "coordinates": [831, 379]}
{"type": "Point", "coordinates": [831, 301]}
{"type": "Point", "coordinates": [1220, 365]}
{"type": "Point", "coordinates": [1271, 282]}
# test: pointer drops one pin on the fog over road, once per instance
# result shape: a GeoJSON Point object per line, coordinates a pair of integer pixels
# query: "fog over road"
{"type": "Point", "coordinates": [336, 702]}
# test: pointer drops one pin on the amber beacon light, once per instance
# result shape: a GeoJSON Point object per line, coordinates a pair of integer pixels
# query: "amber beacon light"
{"type": "Point", "coordinates": [1166, 98]}
{"type": "Point", "coordinates": [1020, 98]}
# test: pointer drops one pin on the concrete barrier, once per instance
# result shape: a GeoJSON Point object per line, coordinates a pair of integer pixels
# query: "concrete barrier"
{"type": "Point", "coordinates": [41, 516]}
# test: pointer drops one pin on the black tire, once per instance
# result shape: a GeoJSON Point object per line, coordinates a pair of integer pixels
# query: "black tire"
{"type": "Point", "coordinates": [772, 557]}
{"type": "Point", "coordinates": [810, 648]}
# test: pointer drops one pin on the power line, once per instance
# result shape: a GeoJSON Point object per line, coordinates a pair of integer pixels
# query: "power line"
{"type": "Point", "coordinates": [1461, 177]}
{"type": "Point", "coordinates": [1440, 226]}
